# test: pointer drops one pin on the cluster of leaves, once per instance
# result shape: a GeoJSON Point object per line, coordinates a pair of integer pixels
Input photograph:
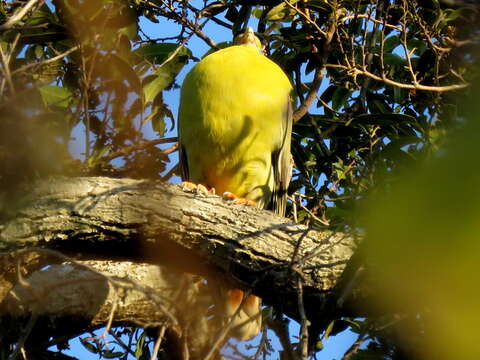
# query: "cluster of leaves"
{"type": "Point", "coordinates": [372, 119]}
{"type": "Point", "coordinates": [90, 82]}
{"type": "Point", "coordinates": [139, 344]}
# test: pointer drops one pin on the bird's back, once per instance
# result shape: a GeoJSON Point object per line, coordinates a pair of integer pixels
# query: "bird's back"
{"type": "Point", "coordinates": [231, 120]}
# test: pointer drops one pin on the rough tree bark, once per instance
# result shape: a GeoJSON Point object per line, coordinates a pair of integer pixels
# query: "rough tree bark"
{"type": "Point", "coordinates": [124, 228]}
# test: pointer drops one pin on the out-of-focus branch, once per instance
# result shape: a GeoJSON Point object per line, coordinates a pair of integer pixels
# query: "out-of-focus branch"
{"type": "Point", "coordinates": [20, 14]}
{"type": "Point", "coordinates": [142, 146]}
{"type": "Point", "coordinates": [47, 61]}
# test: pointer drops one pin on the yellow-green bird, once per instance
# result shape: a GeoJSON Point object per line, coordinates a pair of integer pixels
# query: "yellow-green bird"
{"type": "Point", "coordinates": [235, 128]}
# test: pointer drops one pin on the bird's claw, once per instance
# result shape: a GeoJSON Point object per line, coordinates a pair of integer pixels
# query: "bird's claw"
{"type": "Point", "coordinates": [227, 195]}
{"type": "Point", "coordinates": [197, 188]}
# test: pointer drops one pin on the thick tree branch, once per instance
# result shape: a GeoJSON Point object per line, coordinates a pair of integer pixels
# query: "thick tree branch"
{"type": "Point", "coordinates": [158, 223]}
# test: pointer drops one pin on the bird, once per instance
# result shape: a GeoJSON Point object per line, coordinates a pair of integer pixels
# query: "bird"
{"type": "Point", "coordinates": [234, 129]}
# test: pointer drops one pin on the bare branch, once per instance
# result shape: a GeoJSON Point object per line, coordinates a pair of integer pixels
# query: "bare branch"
{"type": "Point", "coordinates": [356, 71]}
{"type": "Point", "coordinates": [20, 14]}
{"type": "Point", "coordinates": [46, 62]}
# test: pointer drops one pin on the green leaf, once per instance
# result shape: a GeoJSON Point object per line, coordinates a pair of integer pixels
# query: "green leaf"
{"type": "Point", "coordinates": [241, 19]}
{"type": "Point", "coordinates": [398, 94]}
{"type": "Point", "coordinates": [165, 74]}
{"type": "Point", "coordinates": [281, 12]}
{"type": "Point", "coordinates": [55, 95]}
{"type": "Point", "coordinates": [232, 14]}
{"type": "Point", "coordinates": [318, 4]}
{"type": "Point", "coordinates": [393, 149]}
{"type": "Point", "coordinates": [451, 14]}
{"type": "Point", "coordinates": [214, 8]}
{"type": "Point", "coordinates": [130, 31]}
{"type": "Point", "coordinates": [328, 331]}
{"type": "Point", "coordinates": [382, 119]}
{"type": "Point", "coordinates": [159, 53]}
{"type": "Point", "coordinates": [39, 51]}
{"type": "Point", "coordinates": [109, 354]}
{"type": "Point", "coordinates": [419, 46]}
{"type": "Point", "coordinates": [257, 13]}
{"type": "Point", "coordinates": [146, 354]}
{"type": "Point", "coordinates": [390, 43]}
{"type": "Point", "coordinates": [41, 16]}
{"type": "Point", "coordinates": [98, 154]}
{"type": "Point", "coordinates": [139, 347]}
{"type": "Point", "coordinates": [394, 60]}
{"type": "Point", "coordinates": [328, 93]}
{"type": "Point", "coordinates": [340, 97]}
{"type": "Point", "coordinates": [160, 81]}
{"type": "Point", "coordinates": [35, 36]}
{"type": "Point", "coordinates": [118, 68]}
{"type": "Point", "coordinates": [90, 347]}
{"type": "Point", "coordinates": [158, 124]}
{"type": "Point", "coordinates": [220, 45]}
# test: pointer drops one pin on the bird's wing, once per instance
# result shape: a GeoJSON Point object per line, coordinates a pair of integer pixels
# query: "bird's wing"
{"type": "Point", "coordinates": [282, 164]}
{"type": "Point", "coordinates": [183, 163]}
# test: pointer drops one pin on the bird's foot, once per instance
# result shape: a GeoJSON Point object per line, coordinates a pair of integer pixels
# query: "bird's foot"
{"type": "Point", "coordinates": [234, 300]}
{"type": "Point", "coordinates": [198, 188]}
{"type": "Point", "coordinates": [238, 200]}
{"type": "Point", "coordinates": [247, 321]}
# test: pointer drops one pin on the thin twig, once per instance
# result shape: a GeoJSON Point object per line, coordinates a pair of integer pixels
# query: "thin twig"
{"type": "Point", "coordinates": [25, 333]}
{"type": "Point", "coordinates": [355, 71]}
{"type": "Point", "coordinates": [312, 95]}
{"type": "Point", "coordinates": [19, 15]}
{"type": "Point", "coordinates": [6, 63]}
{"type": "Point", "coordinates": [306, 17]}
{"type": "Point", "coordinates": [303, 332]}
{"type": "Point", "coordinates": [363, 16]}
{"type": "Point", "coordinates": [352, 350]}
{"type": "Point", "coordinates": [108, 327]}
{"type": "Point", "coordinates": [158, 342]}
{"type": "Point", "coordinates": [281, 329]}
{"type": "Point", "coordinates": [121, 343]}
{"type": "Point", "coordinates": [142, 146]}
{"type": "Point", "coordinates": [347, 290]}
{"type": "Point", "coordinates": [404, 42]}
{"type": "Point", "coordinates": [193, 27]}
{"type": "Point", "coordinates": [321, 221]}
{"type": "Point", "coordinates": [47, 61]}
{"type": "Point", "coordinates": [318, 77]}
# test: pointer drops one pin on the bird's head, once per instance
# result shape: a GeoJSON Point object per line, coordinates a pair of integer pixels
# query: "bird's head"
{"type": "Point", "coordinates": [249, 38]}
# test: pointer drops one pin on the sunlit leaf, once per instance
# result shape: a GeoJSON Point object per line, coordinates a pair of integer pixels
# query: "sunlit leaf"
{"type": "Point", "coordinates": [281, 11]}
{"type": "Point", "coordinates": [165, 74]}
{"type": "Point", "coordinates": [139, 346]}
{"type": "Point", "coordinates": [159, 53]}
{"type": "Point", "coordinates": [55, 95]}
